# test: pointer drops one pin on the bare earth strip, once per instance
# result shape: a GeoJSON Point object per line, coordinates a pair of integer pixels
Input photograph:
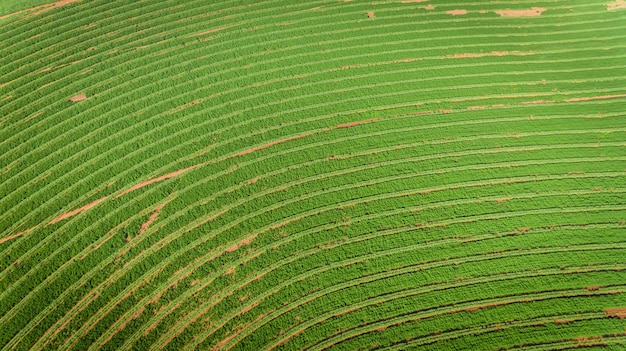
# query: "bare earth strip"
{"type": "Point", "coordinates": [618, 4]}
{"type": "Point", "coordinates": [616, 312]}
{"type": "Point", "coordinates": [76, 211]}
{"type": "Point", "coordinates": [534, 12]}
{"type": "Point", "coordinates": [156, 180]}
{"type": "Point", "coordinates": [5, 239]}
{"type": "Point", "coordinates": [271, 144]}
{"type": "Point", "coordinates": [155, 214]}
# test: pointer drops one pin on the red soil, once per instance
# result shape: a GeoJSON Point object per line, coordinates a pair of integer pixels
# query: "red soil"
{"type": "Point", "coordinates": [79, 97]}
{"type": "Point", "coordinates": [616, 312]}
{"type": "Point", "coordinates": [270, 144]}
{"type": "Point", "coordinates": [493, 53]}
{"type": "Point", "coordinates": [456, 12]}
{"type": "Point", "coordinates": [590, 98]}
{"type": "Point", "coordinates": [618, 4]}
{"type": "Point", "coordinates": [156, 180]}
{"type": "Point", "coordinates": [207, 32]}
{"type": "Point", "coordinates": [67, 215]}
{"type": "Point", "coordinates": [7, 238]}
{"type": "Point", "coordinates": [243, 242]}
{"type": "Point", "coordinates": [153, 217]}
{"type": "Point", "coordinates": [353, 124]}
{"type": "Point", "coordinates": [534, 12]}
{"type": "Point", "coordinates": [47, 7]}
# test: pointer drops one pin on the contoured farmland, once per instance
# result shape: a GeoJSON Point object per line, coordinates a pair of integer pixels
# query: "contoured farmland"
{"type": "Point", "coordinates": [312, 175]}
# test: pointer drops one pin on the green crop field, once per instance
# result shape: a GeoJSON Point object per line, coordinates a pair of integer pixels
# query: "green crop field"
{"type": "Point", "coordinates": [312, 175]}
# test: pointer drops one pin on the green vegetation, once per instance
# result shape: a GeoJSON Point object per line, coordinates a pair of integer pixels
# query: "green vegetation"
{"type": "Point", "coordinates": [312, 175]}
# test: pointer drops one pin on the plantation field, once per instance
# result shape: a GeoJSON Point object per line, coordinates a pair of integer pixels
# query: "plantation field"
{"type": "Point", "coordinates": [312, 175]}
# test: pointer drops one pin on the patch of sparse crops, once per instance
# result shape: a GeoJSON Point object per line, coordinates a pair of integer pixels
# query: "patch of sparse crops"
{"type": "Point", "coordinates": [312, 175]}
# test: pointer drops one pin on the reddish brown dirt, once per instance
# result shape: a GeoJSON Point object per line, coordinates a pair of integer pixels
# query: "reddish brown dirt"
{"type": "Point", "coordinates": [534, 12]}
{"type": "Point", "coordinates": [353, 124]}
{"type": "Point", "coordinates": [270, 144]}
{"type": "Point", "coordinates": [456, 12]}
{"type": "Point", "coordinates": [155, 214]}
{"type": "Point", "coordinates": [370, 15]}
{"type": "Point", "coordinates": [156, 180]}
{"type": "Point", "coordinates": [493, 53]}
{"type": "Point", "coordinates": [590, 98]}
{"type": "Point", "coordinates": [243, 242]}
{"type": "Point", "coordinates": [207, 32]}
{"type": "Point", "coordinates": [618, 4]}
{"type": "Point", "coordinates": [593, 288]}
{"type": "Point", "coordinates": [8, 96]}
{"type": "Point", "coordinates": [79, 97]}
{"type": "Point", "coordinates": [48, 7]}
{"type": "Point", "coordinates": [616, 312]}
{"type": "Point", "coordinates": [7, 238]}
{"type": "Point", "coordinates": [67, 215]}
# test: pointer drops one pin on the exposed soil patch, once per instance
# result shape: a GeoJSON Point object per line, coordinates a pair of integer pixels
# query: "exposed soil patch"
{"type": "Point", "coordinates": [429, 7]}
{"type": "Point", "coordinates": [79, 97]}
{"type": "Point", "coordinates": [208, 32]}
{"type": "Point", "coordinates": [493, 54]}
{"type": "Point", "coordinates": [410, 1]}
{"type": "Point", "coordinates": [48, 7]}
{"type": "Point", "coordinates": [11, 237]}
{"type": "Point", "coordinates": [155, 214]}
{"type": "Point", "coordinates": [616, 312]}
{"type": "Point", "coordinates": [456, 12]}
{"type": "Point", "coordinates": [534, 12]}
{"type": "Point", "coordinates": [270, 144]}
{"type": "Point", "coordinates": [618, 4]}
{"type": "Point", "coordinates": [357, 123]}
{"type": "Point", "coordinates": [156, 180]}
{"type": "Point", "coordinates": [370, 15]}
{"type": "Point", "coordinates": [67, 215]}
{"type": "Point", "coordinates": [243, 242]}
{"type": "Point", "coordinates": [591, 98]}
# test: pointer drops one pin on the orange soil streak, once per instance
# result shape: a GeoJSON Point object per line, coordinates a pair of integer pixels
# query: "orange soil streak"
{"type": "Point", "coordinates": [590, 98]}
{"type": "Point", "coordinates": [493, 53]}
{"type": "Point", "coordinates": [456, 12]}
{"type": "Point", "coordinates": [370, 15]}
{"type": "Point", "coordinates": [242, 328]}
{"type": "Point", "coordinates": [208, 32]}
{"type": "Point", "coordinates": [618, 4]}
{"type": "Point", "coordinates": [67, 215]}
{"type": "Point", "coordinates": [153, 217]}
{"type": "Point", "coordinates": [122, 326]}
{"type": "Point", "coordinates": [616, 312]}
{"type": "Point", "coordinates": [353, 124]}
{"type": "Point", "coordinates": [8, 96]}
{"type": "Point", "coordinates": [270, 144]}
{"type": "Point", "coordinates": [79, 97]}
{"type": "Point", "coordinates": [47, 7]}
{"type": "Point", "coordinates": [593, 288]}
{"type": "Point", "coordinates": [243, 242]}
{"type": "Point", "coordinates": [285, 223]}
{"type": "Point", "coordinates": [5, 239]}
{"type": "Point", "coordinates": [156, 180]}
{"type": "Point", "coordinates": [534, 12]}
{"type": "Point", "coordinates": [12, 14]}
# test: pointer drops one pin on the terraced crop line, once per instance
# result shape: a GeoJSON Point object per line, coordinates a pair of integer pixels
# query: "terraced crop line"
{"type": "Point", "coordinates": [73, 212]}
{"type": "Point", "coordinates": [222, 249]}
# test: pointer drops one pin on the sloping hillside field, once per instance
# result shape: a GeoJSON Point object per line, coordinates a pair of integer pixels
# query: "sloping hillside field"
{"type": "Point", "coordinates": [313, 175]}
